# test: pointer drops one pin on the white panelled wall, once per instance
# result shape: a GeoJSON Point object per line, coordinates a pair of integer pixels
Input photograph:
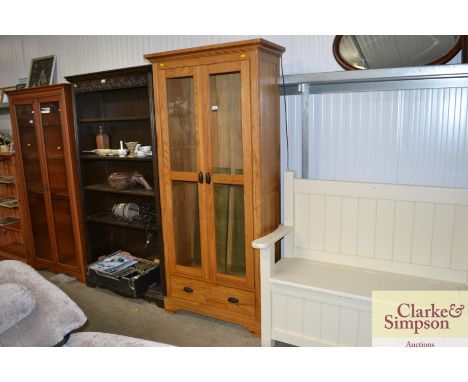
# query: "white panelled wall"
{"type": "Point", "coordinates": [417, 137]}
{"type": "Point", "coordinates": [405, 137]}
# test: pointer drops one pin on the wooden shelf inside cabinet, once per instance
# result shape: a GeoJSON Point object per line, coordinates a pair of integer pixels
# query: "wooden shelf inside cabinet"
{"type": "Point", "coordinates": [59, 195]}
{"type": "Point", "coordinates": [9, 208]}
{"type": "Point", "coordinates": [53, 124]}
{"type": "Point", "coordinates": [115, 119]}
{"type": "Point", "coordinates": [104, 187]}
{"type": "Point", "coordinates": [107, 218]}
{"type": "Point", "coordinates": [7, 179]}
{"type": "Point", "coordinates": [13, 227]}
{"type": "Point", "coordinates": [6, 155]}
{"type": "Point", "coordinates": [13, 250]}
{"type": "Point", "coordinates": [117, 158]}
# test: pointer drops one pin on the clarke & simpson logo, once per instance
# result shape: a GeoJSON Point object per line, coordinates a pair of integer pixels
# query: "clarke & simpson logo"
{"type": "Point", "coordinates": [409, 316]}
{"type": "Point", "coordinates": [419, 318]}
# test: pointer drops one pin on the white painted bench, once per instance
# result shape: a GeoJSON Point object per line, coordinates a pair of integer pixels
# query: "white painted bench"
{"type": "Point", "coordinates": [342, 240]}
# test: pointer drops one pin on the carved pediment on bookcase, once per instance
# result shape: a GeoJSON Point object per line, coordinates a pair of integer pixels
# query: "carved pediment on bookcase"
{"type": "Point", "coordinates": [120, 82]}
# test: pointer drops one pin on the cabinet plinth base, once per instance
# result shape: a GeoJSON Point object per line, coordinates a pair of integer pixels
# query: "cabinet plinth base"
{"type": "Point", "coordinates": [172, 305]}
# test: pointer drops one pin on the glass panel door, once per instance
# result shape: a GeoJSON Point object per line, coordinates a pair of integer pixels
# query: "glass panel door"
{"type": "Point", "coordinates": [182, 164]}
{"type": "Point", "coordinates": [186, 224]}
{"type": "Point", "coordinates": [57, 179]}
{"type": "Point", "coordinates": [181, 121]}
{"type": "Point", "coordinates": [35, 187]}
{"type": "Point", "coordinates": [229, 229]}
{"type": "Point", "coordinates": [226, 123]}
{"type": "Point", "coordinates": [229, 141]}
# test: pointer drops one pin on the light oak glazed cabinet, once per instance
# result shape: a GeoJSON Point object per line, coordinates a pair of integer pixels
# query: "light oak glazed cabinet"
{"type": "Point", "coordinates": [47, 181]}
{"type": "Point", "coordinates": [217, 110]}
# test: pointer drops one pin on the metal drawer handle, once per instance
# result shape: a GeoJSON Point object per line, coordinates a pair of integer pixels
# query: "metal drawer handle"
{"type": "Point", "coordinates": [233, 300]}
{"type": "Point", "coordinates": [200, 177]}
{"type": "Point", "coordinates": [188, 290]}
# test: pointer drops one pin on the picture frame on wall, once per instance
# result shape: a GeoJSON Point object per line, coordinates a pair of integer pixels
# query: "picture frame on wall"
{"type": "Point", "coordinates": [42, 71]}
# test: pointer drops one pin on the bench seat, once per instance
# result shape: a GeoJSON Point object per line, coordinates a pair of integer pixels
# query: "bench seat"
{"type": "Point", "coordinates": [343, 240]}
{"type": "Point", "coordinates": [353, 282]}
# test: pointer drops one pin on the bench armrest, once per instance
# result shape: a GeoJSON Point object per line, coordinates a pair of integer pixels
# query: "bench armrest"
{"type": "Point", "coordinates": [266, 245]}
{"type": "Point", "coordinates": [270, 239]}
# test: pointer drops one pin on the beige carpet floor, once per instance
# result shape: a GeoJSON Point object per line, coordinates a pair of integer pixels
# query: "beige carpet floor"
{"type": "Point", "coordinates": [111, 313]}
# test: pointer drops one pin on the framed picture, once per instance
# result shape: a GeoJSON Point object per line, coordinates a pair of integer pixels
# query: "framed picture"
{"type": "Point", "coordinates": [22, 83]}
{"type": "Point", "coordinates": [4, 97]}
{"type": "Point", "coordinates": [42, 71]}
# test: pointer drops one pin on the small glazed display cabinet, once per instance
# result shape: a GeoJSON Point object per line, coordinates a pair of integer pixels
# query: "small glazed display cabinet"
{"type": "Point", "coordinates": [119, 104]}
{"type": "Point", "coordinates": [47, 181]}
{"type": "Point", "coordinates": [217, 110]}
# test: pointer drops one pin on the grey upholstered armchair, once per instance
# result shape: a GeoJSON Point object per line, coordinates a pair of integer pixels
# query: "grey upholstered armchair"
{"type": "Point", "coordinates": [34, 312]}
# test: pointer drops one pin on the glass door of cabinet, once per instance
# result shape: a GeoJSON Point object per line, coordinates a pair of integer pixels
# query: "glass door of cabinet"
{"type": "Point", "coordinates": [229, 164]}
{"type": "Point", "coordinates": [183, 168]}
{"type": "Point", "coordinates": [29, 144]}
{"type": "Point", "coordinates": [61, 222]}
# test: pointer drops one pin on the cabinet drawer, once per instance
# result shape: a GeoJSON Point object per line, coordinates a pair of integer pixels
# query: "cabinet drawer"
{"type": "Point", "coordinates": [234, 300]}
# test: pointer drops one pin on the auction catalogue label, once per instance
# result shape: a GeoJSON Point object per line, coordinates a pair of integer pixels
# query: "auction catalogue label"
{"type": "Point", "coordinates": [420, 318]}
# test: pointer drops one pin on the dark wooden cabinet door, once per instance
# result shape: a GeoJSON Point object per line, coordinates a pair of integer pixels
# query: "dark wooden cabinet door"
{"type": "Point", "coordinates": [30, 146]}
{"type": "Point", "coordinates": [61, 226]}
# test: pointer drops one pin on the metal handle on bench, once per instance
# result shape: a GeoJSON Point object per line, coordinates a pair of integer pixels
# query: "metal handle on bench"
{"type": "Point", "coordinates": [233, 300]}
{"type": "Point", "coordinates": [188, 290]}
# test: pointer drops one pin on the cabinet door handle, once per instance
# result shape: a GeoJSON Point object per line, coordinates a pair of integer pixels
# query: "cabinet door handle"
{"type": "Point", "coordinates": [233, 300]}
{"type": "Point", "coordinates": [200, 177]}
{"type": "Point", "coordinates": [208, 178]}
{"type": "Point", "coordinates": [188, 290]}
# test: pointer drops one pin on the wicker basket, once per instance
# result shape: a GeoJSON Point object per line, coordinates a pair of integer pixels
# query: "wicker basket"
{"type": "Point", "coordinates": [126, 180]}
{"type": "Point", "coordinates": [120, 180]}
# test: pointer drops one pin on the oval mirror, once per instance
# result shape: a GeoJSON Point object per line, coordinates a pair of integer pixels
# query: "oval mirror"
{"type": "Point", "coordinates": [375, 52]}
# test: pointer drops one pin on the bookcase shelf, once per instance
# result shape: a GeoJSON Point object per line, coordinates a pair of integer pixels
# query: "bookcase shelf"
{"type": "Point", "coordinates": [104, 187]}
{"type": "Point", "coordinates": [106, 217]}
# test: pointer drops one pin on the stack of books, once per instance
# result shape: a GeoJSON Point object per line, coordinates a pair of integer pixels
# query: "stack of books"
{"type": "Point", "coordinates": [114, 263]}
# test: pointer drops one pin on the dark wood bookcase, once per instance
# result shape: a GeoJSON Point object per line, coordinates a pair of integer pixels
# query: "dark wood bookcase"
{"type": "Point", "coordinates": [121, 101]}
